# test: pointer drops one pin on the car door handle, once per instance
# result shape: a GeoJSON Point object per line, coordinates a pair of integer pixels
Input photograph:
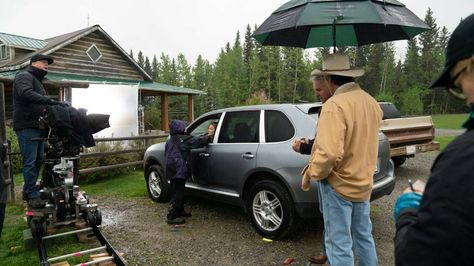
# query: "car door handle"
{"type": "Point", "coordinates": [203, 154]}
{"type": "Point", "coordinates": [248, 155]}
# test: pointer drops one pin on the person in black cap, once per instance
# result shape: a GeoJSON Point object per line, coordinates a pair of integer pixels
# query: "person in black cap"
{"type": "Point", "coordinates": [29, 100]}
{"type": "Point", "coordinates": [435, 226]}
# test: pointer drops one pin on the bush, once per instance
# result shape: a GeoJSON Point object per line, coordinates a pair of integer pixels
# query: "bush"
{"type": "Point", "coordinates": [411, 101]}
{"type": "Point", "coordinates": [258, 98]}
{"type": "Point", "coordinates": [97, 161]}
{"type": "Point", "coordinates": [385, 97]}
{"type": "Point", "coordinates": [15, 148]}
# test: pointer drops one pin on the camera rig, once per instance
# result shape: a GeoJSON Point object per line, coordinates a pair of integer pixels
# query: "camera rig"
{"type": "Point", "coordinates": [69, 130]}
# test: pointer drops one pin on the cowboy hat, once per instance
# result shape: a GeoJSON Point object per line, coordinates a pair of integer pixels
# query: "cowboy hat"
{"type": "Point", "coordinates": [338, 65]}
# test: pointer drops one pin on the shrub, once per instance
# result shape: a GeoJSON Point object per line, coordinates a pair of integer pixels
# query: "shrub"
{"type": "Point", "coordinates": [411, 101]}
{"type": "Point", "coordinates": [15, 148]}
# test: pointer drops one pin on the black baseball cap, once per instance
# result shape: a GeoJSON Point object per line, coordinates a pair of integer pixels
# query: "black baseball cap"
{"type": "Point", "coordinates": [38, 57]}
{"type": "Point", "coordinates": [460, 46]}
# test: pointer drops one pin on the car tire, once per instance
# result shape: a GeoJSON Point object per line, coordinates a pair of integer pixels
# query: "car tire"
{"type": "Point", "coordinates": [157, 185]}
{"type": "Point", "coordinates": [399, 160]}
{"type": "Point", "coordinates": [271, 209]}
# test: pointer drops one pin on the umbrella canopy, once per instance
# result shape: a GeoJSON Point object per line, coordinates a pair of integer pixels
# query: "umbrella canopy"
{"type": "Point", "coordinates": [325, 23]}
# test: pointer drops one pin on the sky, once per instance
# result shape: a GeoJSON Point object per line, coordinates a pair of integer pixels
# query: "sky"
{"type": "Point", "coordinates": [192, 27]}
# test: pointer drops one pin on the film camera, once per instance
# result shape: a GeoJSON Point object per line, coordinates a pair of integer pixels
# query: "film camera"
{"type": "Point", "coordinates": [69, 130]}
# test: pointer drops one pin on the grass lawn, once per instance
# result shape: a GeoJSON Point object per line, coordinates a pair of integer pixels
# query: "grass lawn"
{"type": "Point", "coordinates": [451, 121]}
{"type": "Point", "coordinates": [12, 248]}
{"type": "Point", "coordinates": [127, 185]}
{"type": "Point", "coordinates": [444, 141]}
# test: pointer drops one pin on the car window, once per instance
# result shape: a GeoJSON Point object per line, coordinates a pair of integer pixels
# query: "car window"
{"type": "Point", "coordinates": [199, 128]}
{"type": "Point", "coordinates": [277, 126]}
{"type": "Point", "coordinates": [240, 127]}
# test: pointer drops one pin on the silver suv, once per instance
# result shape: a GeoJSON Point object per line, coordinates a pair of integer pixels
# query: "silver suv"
{"type": "Point", "coordinates": [250, 163]}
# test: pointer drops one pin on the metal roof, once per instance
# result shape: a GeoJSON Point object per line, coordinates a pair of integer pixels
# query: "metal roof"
{"type": "Point", "coordinates": [142, 85]}
{"type": "Point", "coordinates": [21, 41]}
{"type": "Point", "coordinates": [58, 42]}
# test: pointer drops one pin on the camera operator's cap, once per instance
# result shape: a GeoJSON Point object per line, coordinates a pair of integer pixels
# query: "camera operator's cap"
{"type": "Point", "coordinates": [460, 46]}
{"type": "Point", "coordinates": [338, 65]}
{"type": "Point", "coordinates": [38, 57]}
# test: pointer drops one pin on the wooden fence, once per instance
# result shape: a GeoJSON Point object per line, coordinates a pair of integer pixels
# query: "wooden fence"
{"type": "Point", "coordinates": [146, 143]}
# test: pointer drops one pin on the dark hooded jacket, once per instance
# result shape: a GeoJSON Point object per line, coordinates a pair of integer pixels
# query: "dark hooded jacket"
{"type": "Point", "coordinates": [29, 98]}
{"type": "Point", "coordinates": [441, 231]}
{"type": "Point", "coordinates": [178, 165]}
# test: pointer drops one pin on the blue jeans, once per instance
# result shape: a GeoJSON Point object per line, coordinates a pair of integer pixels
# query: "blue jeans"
{"type": "Point", "coordinates": [32, 152]}
{"type": "Point", "coordinates": [323, 244]}
{"type": "Point", "coordinates": [347, 225]}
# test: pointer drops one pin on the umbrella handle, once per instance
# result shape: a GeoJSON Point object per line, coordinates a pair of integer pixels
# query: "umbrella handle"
{"type": "Point", "coordinates": [334, 34]}
{"type": "Point", "coordinates": [336, 18]}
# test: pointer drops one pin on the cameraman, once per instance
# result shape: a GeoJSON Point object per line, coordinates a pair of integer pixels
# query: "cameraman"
{"type": "Point", "coordinates": [29, 100]}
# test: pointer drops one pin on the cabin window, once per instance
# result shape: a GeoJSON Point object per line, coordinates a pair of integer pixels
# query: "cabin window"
{"type": "Point", "coordinates": [4, 51]}
{"type": "Point", "coordinates": [94, 53]}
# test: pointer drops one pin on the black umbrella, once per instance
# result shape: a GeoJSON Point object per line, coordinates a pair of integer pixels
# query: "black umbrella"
{"type": "Point", "coordinates": [325, 23]}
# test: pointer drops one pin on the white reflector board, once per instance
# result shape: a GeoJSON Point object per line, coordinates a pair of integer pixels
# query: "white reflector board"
{"type": "Point", "coordinates": [119, 101]}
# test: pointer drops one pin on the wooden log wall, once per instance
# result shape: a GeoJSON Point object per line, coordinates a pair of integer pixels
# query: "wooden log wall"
{"type": "Point", "coordinates": [73, 59]}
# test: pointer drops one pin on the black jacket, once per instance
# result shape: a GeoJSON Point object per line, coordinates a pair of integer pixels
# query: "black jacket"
{"type": "Point", "coordinates": [441, 231]}
{"type": "Point", "coordinates": [29, 98]}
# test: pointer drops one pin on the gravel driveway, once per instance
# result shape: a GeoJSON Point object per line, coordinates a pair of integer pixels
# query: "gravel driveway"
{"type": "Point", "coordinates": [220, 234]}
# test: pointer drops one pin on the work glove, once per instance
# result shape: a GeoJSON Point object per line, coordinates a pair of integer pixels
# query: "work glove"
{"type": "Point", "coordinates": [407, 200]}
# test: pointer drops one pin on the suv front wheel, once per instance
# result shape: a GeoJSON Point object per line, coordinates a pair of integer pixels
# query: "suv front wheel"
{"type": "Point", "coordinates": [270, 209]}
{"type": "Point", "coordinates": [157, 185]}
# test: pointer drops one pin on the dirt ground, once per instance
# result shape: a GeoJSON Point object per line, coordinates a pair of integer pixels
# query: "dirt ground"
{"type": "Point", "coordinates": [220, 234]}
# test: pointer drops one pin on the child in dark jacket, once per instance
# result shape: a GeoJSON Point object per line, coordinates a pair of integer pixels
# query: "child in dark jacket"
{"type": "Point", "coordinates": [177, 167]}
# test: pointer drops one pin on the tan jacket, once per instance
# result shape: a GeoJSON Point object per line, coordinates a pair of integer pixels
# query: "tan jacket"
{"type": "Point", "coordinates": [346, 145]}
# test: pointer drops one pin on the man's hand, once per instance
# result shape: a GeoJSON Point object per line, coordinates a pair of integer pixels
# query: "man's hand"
{"type": "Point", "coordinates": [297, 142]}
{"type": "Point", "coordinates": [418, 187]}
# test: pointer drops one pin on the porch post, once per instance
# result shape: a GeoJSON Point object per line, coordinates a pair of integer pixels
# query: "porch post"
{"type": "Point", "coordinates": [190, 108]}
{"type": "Point", "coordinates": [164, 112]}
{"type": "Point", "coordinates": [4, 163]}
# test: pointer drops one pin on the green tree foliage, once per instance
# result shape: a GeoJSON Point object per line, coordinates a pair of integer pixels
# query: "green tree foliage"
{"type": "Point", "coordinates": [202, 74]}
{"type": "Point", "coordinates": [183, 72]}
{"type": "Point", "coordinates": [244, 71]}
{"type": "Point", "coordinates": [411, 101]}
{"type": "Point", "coordinates": [147, 66]}
{"type": "Point", "coordinates": [141, 59]}
{"type": "Point", "coordinates": [155, 73]}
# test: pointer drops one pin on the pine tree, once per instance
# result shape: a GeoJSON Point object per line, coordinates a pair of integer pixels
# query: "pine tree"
{"type": "Point", "coordinates": [248, 49]}
{"type": "Point", "coordinates": [430, 62]}
{"type": "Point", "coordinates": [141, 60]}
{"type": "Point", "coordinates": [183, 69]}
{"type": "Point", "coordinates": [155, 69]}
{"type": "Point", "coordinates": [147, 66]}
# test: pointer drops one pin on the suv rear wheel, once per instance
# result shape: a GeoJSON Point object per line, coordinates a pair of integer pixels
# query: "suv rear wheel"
{"type": "Point", "coordinates": [157, 185]}
{"type": "Point", "coordinates": [270, 209]}
{"type": "Point", "coordinates": [399, 160]}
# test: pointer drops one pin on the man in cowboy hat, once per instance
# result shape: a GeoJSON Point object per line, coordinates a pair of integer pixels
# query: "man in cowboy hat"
{"type": "Point", "coordinates": [343, 158]}
{"type": "Point", "coordinates": [436, 226]}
